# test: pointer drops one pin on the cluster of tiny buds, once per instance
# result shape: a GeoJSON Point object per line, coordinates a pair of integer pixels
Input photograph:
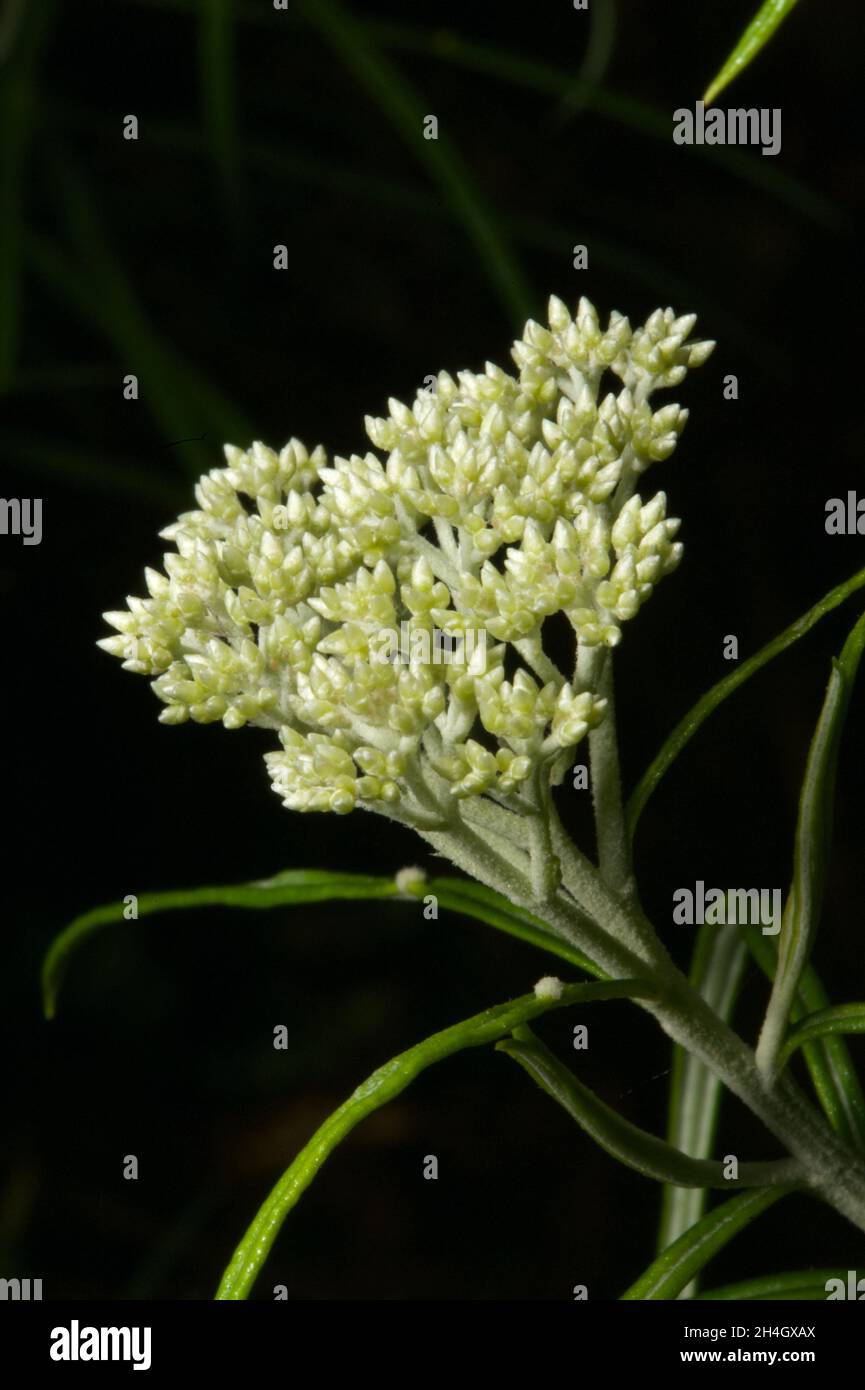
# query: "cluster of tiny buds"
{"type": "Point", "coordinates": [494, 501]}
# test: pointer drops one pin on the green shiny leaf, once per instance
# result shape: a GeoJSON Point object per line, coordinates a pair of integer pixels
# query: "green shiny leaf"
{"type": "Point", "coordinates": [673, 1270]}
{"type": "Point", "coordinates": [755, 37]}
{"type": "Point", "coordinates": [294, 886]}
{"type": "Point", "coordinates": [305, 886]}
{"type": "Point", "coordinates": [811, 852]}
{"type": "Point", "coordinates": [708, 703]}
{"type": "Point", "coordinates": [833, 1075]}
{"type": "Point", "coordinates": [625, 1142]}
{"type": "Point", "coordinates": [837, 1018]}
{"type": "Point", "coordinates": [384, 1084]}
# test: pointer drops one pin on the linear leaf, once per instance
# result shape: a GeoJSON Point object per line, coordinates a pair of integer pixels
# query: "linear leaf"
{"type": "Point", "coordinates": [673, 1270]}
{"type": "Point", "coordinates": [384, 1084]}
{"type": "Point", "coordinates": [837, 1018]}
{"type": "Point", "coordinates": [811, 853]}
{"type": "Point", "coordinates": [294, 886]}
{"type": "Point", "coordinates": [626, 1142]}
{"type": "Point", "coordinates": [304, 886]}
{"type": "Point", "coordinates": [755, 37]}
{"type": "Point", "coordinates": [708, 703]}
{"type": "Point", "coordinates": [833, 1075]}
{"type": "Point", "coordinates": [695, 1092]}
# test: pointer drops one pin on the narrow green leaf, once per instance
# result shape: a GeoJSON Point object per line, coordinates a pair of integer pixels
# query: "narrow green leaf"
{"type": "Point", "coordinates": [755, 37]}
{"type": "Point", "coordinates": [695, 1092]}
{"type": "Point", "coordinates": [833, 1075]}
{"type": "Point", "coordinates": [837, 1018]}
{"type": "Point", "coordinates": [305, 886]}
{"type": "Point", "coordinates": [708, 703]}
{"type": "Point", "coordinates": [625, 1142]}
{"type": "Point", "coordinates": [811, 853]}
{"type": "Point", "coordinates": [386, 85]}
{"type": "Point", "coordinates": [293, 886]}
{"type": "Point", "coordinates": [807, 1284]}
{"type": "Point", "coordinates": [672, 1271]}
{"type": "Point", "coordinates": [376, 1091]}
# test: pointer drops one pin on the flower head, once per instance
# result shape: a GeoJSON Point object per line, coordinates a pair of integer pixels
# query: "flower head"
{"type": "Point", "coordinates": [494, 501]}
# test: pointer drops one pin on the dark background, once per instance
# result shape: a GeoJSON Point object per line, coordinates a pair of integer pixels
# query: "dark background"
{"type": "Point", "coordinates": [155, 257]}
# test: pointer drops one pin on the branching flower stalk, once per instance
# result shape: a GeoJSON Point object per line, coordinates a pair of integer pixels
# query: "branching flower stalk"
{"type": "Point", "coordinates": [384, 615]}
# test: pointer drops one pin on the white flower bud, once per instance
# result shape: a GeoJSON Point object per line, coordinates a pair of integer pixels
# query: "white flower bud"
{"type": "Point", "coordinates": [500, 499]}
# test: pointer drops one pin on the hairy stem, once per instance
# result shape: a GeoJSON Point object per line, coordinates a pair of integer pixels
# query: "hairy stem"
{"type": "Point", "coordinates": [618, 938]}
{"type": "Point", "coordinates": [595, 669]}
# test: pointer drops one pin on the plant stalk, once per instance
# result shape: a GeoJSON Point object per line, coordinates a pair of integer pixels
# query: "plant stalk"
{"type": "Point", "coordinates": [595, 672]}
{"type": "Point", "coordinates": [616, 936]}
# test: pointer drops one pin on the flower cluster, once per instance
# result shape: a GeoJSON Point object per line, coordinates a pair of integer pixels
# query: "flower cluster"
{"type": "Point", "coordinates": [494, 501]}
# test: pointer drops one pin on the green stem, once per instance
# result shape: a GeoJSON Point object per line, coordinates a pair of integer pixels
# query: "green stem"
{"type": "Point", "coordinates": [595, 672]}
{"type": "Point", "coordinates": [834, 1171]}
{"type": "Point", "coordinates": [533, 654]}
{"type": "Point", "coordinates": [586, 886]}
{"type": "Point", "coordinates": [614, 935]}
{"type": "Point", "coordinates": [468, 850]}
{"type": "Point", "coordinates": [545, 868]}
